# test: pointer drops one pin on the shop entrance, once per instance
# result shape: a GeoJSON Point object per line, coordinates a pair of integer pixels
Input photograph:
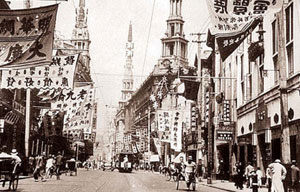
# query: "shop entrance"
{"type": "Point", "coordinates": [276, 149]}
{"type": "Point", "coordinates": [224, 155]}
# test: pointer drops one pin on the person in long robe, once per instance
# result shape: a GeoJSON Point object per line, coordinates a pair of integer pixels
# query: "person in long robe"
{"type": "Point", "coordinates": [278, 175]}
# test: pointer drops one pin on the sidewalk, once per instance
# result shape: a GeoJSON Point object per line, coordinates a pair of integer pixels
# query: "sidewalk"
{"type": "Point", "coordinates": [227, 186]}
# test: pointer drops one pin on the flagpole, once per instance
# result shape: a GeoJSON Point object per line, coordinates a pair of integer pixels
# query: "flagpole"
{"type": "Point", "coordinates": [28, 95]}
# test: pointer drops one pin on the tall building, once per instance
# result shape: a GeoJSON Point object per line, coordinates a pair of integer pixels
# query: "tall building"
{"type": "Point", "coordinates": [127, 86]}
{"type": "Point", "coordinates": [174, 44]}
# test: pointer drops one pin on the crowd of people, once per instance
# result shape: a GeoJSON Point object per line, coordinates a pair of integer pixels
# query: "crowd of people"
{"type": "Point", "coordinates": [44, 166]}
{"type": "Point", "coordinates": [275, 175]}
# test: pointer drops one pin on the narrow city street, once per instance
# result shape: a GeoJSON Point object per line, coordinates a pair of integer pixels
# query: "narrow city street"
{"type": "Point", "coordinates": [107, 181]}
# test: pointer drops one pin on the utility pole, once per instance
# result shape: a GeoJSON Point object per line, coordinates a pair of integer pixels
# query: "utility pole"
{"type": "Point", "coordinates": [199, 96]}
{"type": "Point", "coordinates": [27, 5]}
{"type": "Point", "coordinates": [285, 131]}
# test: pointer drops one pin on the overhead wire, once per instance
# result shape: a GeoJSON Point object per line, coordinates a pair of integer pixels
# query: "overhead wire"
{"type": "Point", "coordinates": [148, 38]}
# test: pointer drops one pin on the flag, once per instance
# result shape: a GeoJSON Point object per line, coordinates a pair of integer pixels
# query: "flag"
{"type": "Point", "coordinates": [26, 37]}
{"type": "Point", "coordinates": [233, 20]}
{"type": "Point", "coordinates": [191, 89]}
{"type": "Point", "coordinates": [58, 75]}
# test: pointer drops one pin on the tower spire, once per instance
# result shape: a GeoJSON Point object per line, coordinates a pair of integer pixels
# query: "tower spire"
{"type": "Point", "coordinates": [81, 3]}
{"type": "Point", "coordinates": [127, 88]}
{"type": "Point", "coordinates": [130, 32]}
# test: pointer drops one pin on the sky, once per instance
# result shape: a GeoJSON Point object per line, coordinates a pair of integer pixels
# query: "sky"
{"type": "Point", "coordinates": [108, 23]}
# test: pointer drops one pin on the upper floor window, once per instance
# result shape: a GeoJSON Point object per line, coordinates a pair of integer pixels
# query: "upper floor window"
{"type": "Point", "coordinates": [274, 37]}
{"type": "Point", "coordinates": [289, 29]}
{"type": "Point", "coordinates": [289, 12]}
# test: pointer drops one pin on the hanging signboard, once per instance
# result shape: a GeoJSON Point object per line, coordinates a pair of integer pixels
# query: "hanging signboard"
{"type": "Point", "coordinates": [176, 131]}
{"type": "Point", "coordinates": [58, 75]}
{"type": "Point", "coordinates": [224, 135]}
{"type": "Point", "coordinates": [78, 104]}
{"type": "Point", "coordinates": [164, 124]}
{"type": "Point", "coordinates": [233, 20]}
{"type": "Point", "coordinates": [26, 37]}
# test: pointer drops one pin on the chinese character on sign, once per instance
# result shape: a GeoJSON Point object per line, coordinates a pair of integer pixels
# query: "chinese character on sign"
{"type": "Point", "coordinates": [220, 6]}
{"type": "Point", "coordinates": [27, 24]}
{"type": "Point", "coordinates": [260, 6]}
{"type": "Point", "coordinates": [14, 52]}
{"type": "Point", "coordinates": [7, 26]}
{"type": "Point", "coordinates": [45, 23]}
{"type": "Point", "coordinates": [240, 6]}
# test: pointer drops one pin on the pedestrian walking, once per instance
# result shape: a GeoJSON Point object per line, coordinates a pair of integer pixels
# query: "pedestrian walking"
{"type": "Point", "coordinates": [278, 175]}
{"type": "Point", "coordinates": [58, 164]}
{"type": "Point", "coordinates": [49, 166]}
{"type": "Point", "coordinates": [240, 176]}
{"type": "Point", "coordinates": [254, 178]}
{"type": "Point", "coordinates": [16, 158]}
{"type": "Point", "coordinates": [200, 170]}
{"type": "Point", "coordinates": [247, 174]}
{"type": "Point", "coordinates": [222, 170]}
{"type": "Point", "coordinates": [269, 178]}
{"type": "Point", "coordinates": [39, 168]}
{"type": "Point", "coordinates": [259, 174]}
{"type": "Point", "coordinates": [295, 177]}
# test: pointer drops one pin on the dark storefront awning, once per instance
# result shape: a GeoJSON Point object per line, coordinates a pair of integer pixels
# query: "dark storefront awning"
{"type": "Point", "coordinates": [11, 118]}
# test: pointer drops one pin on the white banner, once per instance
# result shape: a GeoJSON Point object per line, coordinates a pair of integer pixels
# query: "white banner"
{"type": "Point", "coordinates": [176, 131]}
{"type": "Point", "coordinates": [164, 124]}
{"type": "Point", "coordinates": [58, 75]}
{"type": "Point", "coordinates": [231, 16]}
{"type": "Point", "coordinates": [78, 104]}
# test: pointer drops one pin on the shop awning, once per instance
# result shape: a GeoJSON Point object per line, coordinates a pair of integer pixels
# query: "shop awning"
{"type": "Point", "coordinates": [154, 158]}
{"type": "Point", "coordinates": [11, 118]}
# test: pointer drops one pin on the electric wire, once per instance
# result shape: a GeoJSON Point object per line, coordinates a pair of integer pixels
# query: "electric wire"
{"type": "Point", "coordinates": [147, 44]}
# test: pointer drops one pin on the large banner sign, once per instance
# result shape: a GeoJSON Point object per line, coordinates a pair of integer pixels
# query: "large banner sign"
{"type": "Point", "coordinates": [170, 127]}
{"type": "Point", "coordinates": [232, 19]}
{"type": "Point", "coordinates": [26, 37]}
{"type": "Point", "coordinates": [78, 104]}
{"type": "Point", "coordinates": [59, 74]}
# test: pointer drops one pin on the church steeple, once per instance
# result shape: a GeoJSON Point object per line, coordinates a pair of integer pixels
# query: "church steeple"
{"type": "Point", "coordinates": [80, 37]}
{"type": "Point", "coordinates": [127, 87]}
{"type": "Point", "coordinates": [130, 33]}
{"type": "Point", "coordinates": [174, 44]}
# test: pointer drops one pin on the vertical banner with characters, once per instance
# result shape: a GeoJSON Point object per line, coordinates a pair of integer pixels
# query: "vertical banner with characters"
{"type": "Point", "coordinates": [164, 124]}
{"type": "Point", "coordinates": [176, 131]}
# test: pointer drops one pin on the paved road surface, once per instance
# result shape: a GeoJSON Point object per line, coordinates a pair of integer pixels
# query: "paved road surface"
{"type": "Point", "coordinates": [99, 181]}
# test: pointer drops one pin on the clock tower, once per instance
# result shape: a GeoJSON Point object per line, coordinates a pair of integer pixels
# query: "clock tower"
{"type": "Point", "coordinates": [127, 83]}
{"type": "Point", "coordinates": [174, 44]}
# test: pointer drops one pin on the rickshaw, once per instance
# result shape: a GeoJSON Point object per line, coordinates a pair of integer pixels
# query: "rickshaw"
{"type": "Point", "coordinates": [71, 167]}
{"type": "Point", "coordinates": [126, 160]}
{"type": "Point", "coordinates": [9, 172]}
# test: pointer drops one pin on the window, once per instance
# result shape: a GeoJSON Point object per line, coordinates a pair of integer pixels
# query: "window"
{"type": "Point", "coordinates": [171, 47]}
{"type": "Point", "coordinates": [274, 37]}
{"type": "Point", "coordinates": [249, 81]}
{"type": "Point", "coordinates": [242, 67]}
{"type": "Point", "coordinates": [289, 37]}
{"type": "Point", "coordinates": [276, 69]}
{"type": "Point", "coordinates": [260, 61]}
{"type": "Point", "coordinates": [172, 30]}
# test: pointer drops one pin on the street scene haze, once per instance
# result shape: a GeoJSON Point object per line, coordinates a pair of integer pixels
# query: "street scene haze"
{"type": "Point", "coordinates": [149, 95]}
